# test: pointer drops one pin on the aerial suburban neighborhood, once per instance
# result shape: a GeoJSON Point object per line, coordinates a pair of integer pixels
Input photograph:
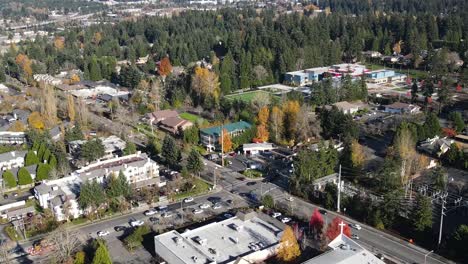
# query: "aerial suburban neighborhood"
{"type": "Point", "coordinates": [234, 132]}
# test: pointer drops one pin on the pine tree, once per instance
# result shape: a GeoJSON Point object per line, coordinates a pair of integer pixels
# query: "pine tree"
{"type": "Point", "coordinates": [170, 151]}
{"type": "Point", "coordinates": [53, 162]}
{"type": "Point", "coordinates": [101, 256]}
{"type": "Point", "coordinates": [94, 70]}
{"type": "Point", "coordinates": [24, 177]}
{"type": "Point", "coordinates": [43, 172]}
{"type": "Point", "coordinates": [9, 179]}
{"type": "Point", "coordinates": [226, 74]}
{"type": "Point", "coordinates": [194, 162]}
{"type": "Point", "coordinates": [422, 213]}
{"type": "Point", "coordinates": [31, 158]}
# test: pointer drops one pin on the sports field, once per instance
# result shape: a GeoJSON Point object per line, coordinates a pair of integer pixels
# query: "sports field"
{"type": "Point", "coordinates": [246, 96]}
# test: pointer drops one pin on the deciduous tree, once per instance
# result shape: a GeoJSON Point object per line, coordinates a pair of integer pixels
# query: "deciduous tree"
{"type": "Point", "coordinates": [71, 107]}
{"type": "Point", "coordinates": [205, 84]}
{"type": "Point", "coordinates": [276, 123]}
{"type": "Point", "coordinates": [316, 222]}
{"type": "Point", "coordinates": [36, 121]}
{"type": "Point", "coordinates": [226, 141]}
{"type": "Point", "coordinates": [165, 67]}
{"type": "Point", "coordinates": [334, 229]}
{"type": "Point", "coordinates": [289, 248]}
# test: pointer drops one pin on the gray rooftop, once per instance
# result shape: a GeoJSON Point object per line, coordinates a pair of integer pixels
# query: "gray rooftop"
{"type": "Point", "coordinates": [12, 155]}
{"type": "Point", "coordinates": [218, 242]}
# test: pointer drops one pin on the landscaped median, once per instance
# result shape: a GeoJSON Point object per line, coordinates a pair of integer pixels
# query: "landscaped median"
{"type": "Point", "coordinates": [199, 187]}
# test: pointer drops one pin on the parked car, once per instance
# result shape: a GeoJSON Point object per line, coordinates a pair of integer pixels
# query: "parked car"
{"type": "Point", "coordinates": [290, 198]}
{"type": "Point", "coordinates": [275, 214]}
{"type": "Point", "coordinates": [102, 233]}
{"type": "Point", "coordinates": [251, 183]}
{"type": "Point", "coordinates": [228, 215]}
{"type": "Point", "coordinates": [204, 206]}
{"type": "Point", "coordinates": [285, 220]}
{"type": "Point", "coordinates": [197, 211]}
{"type": "Point", "coordinates": [166, 215]}
{"type": "Point", "coordinates": [5, 196]}
{"type": "Point", "coordinates": [188, 200]}
{"type": "Point", "coordinates": [229, 201]}
{"type": "Point", "coordinates": [136, 223]}
{"type": "Point", "coordinates": [119, 228]}
{"type": "Point", "coordinates": [154, 220]}
{"type": "Point", "coordinates": [150, 212]}
{"type": "Point", "coordinates": [217, 206]}
{"type": "Point", "coordinates": [323, 212]}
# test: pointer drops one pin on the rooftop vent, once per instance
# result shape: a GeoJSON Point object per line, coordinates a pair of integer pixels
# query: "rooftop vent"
{"type": "Point", "coordinates": [345, 247]}
{"type": "Point", "coordinates": [200, 241]}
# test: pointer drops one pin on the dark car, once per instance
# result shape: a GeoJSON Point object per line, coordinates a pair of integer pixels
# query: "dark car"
{"type": "Point", "coordinates": [154, 220]}
{"type": "Point", "coordinates": [229, 201]}
{"type": "Point", "coordinates": [251, 183]}
{"type": "Point", "coordinates": [241, 178]}
{"type": "Point", "coordinates": [5, 196]}
{"type": "Point", "coordinates": [119, 228]}
{"type": "Point", "coordinates": [323, 212]}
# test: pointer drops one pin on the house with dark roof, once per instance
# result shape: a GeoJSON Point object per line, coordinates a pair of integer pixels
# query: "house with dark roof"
{"type": "Point", "coordinates": [174, 125]}
{"type": "Point", "coordinates": [210, 136]}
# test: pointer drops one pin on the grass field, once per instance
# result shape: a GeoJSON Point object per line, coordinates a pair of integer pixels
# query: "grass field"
{"type": "Point", "coordinates": [200, 187]}
{"type": "Point", "coordinates": [190, 117]}
{"type": "Point", "coordinates": [246, 96]}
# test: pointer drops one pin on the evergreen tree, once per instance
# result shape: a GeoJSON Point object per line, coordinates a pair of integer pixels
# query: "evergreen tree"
{"type": "Point", "coordinates": [457, 119]}
{"type": "Point", "coordinates": [24, 177]}
{"type": "Point", "coordinates": [92, 150]}
{"type": "Point", "coordinates": [9, 179]}
{"type": "Point", "coordinates": [130, 148]}
{"type": "Point", "coordinates": [414, 91]}
{"type": "Point", "coordinates": [101, 256]}
{"type": "Point", "coordinates": [92, 195]}
{"type": "Point", "coordinates": [118, 186]}
{"type": "Point", "coordinates": [31, 158]}
{"type": "Point", "coordinates": [53, 162]}
{"type": "Point", "coordinates": [226, 74]}
{"type": "Point", "coordinates": [432, 126]}
{"type": "Point", "coordinates": [42, 172]}
{"type": "Point", "coordinates": [94, 70]}
{"type": "Point", "coordinates": [422, 213]}
{"type": "Point", "coordinates": [194, 162]}
{"type": "Point", "coordinates": [170, 151]}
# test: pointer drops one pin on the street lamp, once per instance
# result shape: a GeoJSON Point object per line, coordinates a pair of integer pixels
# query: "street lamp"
{"type": "Point", "coordinates": [425, 256]}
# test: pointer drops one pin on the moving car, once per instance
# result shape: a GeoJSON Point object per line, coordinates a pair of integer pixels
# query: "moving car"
{"type": "Point", "coordinates": [354, 236]}
{"type": "Point", "coordinates": [290, 198]}
{"type": "Point", "coordinates": [356, 226]}
{"type": "Point", "coordinates": [188, 200]}
{"type": "Point", "coordinates": [136, 223]}
{"type": "Point", "coordinates": [102, 233]}
{"type": "Point", "coordinates": [150, 212]}
{"type": "Point", "coordinates": [228, 215]}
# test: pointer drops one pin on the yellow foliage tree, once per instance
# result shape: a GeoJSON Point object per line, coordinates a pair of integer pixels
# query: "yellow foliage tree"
{"type": "Point", "coordinates": [36, 121]}
{"type": "Point", "coordinates": [289, 248]}
{"type": "Point", "coordinates": [97, 38]}
{"type": "Point", "coordinates": [263, 115]}
{"type": "Point", "coordinates": [397, 47]}
{"type": "Point", "coordinates": [59, 42]}
{"type": "Point", "coordinates": [71, 107]}
{"type": "Point", "coordinates": [205, 83]}
{"type": "Point", "coordinates": [226, 141]}
{"type": "Point", "coordinates": [17, 126]}
{"type": "Point", "coordinates": [262, 133]}
{"type": "Point", "coordinates": [276, 122]}
{"type": "Point", "coordinates": [357, 154]}
{"type": "Point", "coordinates": [74, 79]}
{"type": "Point", "coordinates": [290, 110]}
{"type": "Point", "coordinates": [25, 63]}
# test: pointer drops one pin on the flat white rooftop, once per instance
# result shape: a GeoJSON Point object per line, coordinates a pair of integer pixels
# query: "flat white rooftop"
{"type": "Point", "coordinates": [218, 242]}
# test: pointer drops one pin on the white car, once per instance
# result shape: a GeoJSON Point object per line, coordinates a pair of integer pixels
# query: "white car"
{"type": "Point", "coordinates": [290, 198]}
{"type": "Point", "coordinates": [102, 233]}
{"type": "Point", "coordinates": [285, 220]}
{"type": "Point", "coordinates": [217, 206]}
{"type": "Point", "coordinates": [137, 223]}
{"type": "Point", "coordinates": [204, 206]}
{"type": "Point", "coordinates": [276, 214]}
{"type": "Point", "coordinates": [353, 236]}
{"type": "Point", "coordinates": [197, 211]}
{"type": "Point", "coordinates": [150, 212]}
{"type": "Point", "coordinates": [356, 226]}
{"type": "Point", "coordinates": [166, 215]}
{"type": "Point", "coordinates": [188, 200]}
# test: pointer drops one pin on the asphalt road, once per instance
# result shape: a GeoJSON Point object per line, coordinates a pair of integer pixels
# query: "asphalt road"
{"type": "Point", "coordinates": [374, 240]}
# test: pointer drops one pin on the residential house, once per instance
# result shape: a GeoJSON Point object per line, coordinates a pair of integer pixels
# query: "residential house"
{"type": "Point", "coordinates": [157, 116]}
{"type": "Point", "coordinates": [46, 78]}
{"type": "Point", "coordinates": [12, 138]}
{"type": "Point", "coordinates": [174, 125]}
{"type": "Point", "coordinates": [138, 168]}
{"type": "Point", "coordinates": [372, 54]}
{"type": "Point", "coordinates": [402, 108]}
{"type": "Point", "coordinates": [32, 169]}
{"type": "Point", "coordinates": [244, 238]}
{"type": "Point", "coordinates": [60, 196]}
{"type": "Point", "coordinates": [435, 146]}
{"type": "Point", "coordinates": [256, 148]}
{"type": "Point", "coordinates": [18, 213]}
{"type": "Point", "coordinates": [346, 107]}
{"type": "Point", "coordinates": [12, 159]}
{"type": "Point", "coordinates": [209, 137]}
{"type": "Point", "coordinates": [113, 146]}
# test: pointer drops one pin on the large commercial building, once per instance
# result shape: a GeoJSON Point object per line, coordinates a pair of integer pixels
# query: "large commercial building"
{"type": "Point", "coordinates": [245, 238]}
{"type": "Point", "coordinates": [210, 136]}
{"type": "Point", "coordinates": [308, 76]}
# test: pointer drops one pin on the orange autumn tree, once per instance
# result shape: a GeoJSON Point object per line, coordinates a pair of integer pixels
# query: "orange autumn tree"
{"type": "Point", "coordinates": [226, 141]}
{"type": "Point", "coordinates": [262, 131]}
{"type": "Point", "coordinates": [59, 42]}
{"type": "Point", "coordinates": [334, 229]}
{"type": "Point", "coordinates": [205, 83]}
{"type": "Point", "coordinates": [290, 113]}
{"type": "Point", "coordinates": [165, 67]}
{"type": "Point", "coordinates": [289, 248]}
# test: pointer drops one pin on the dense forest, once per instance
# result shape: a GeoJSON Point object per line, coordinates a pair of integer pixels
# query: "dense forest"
{"type": "Point", "coordinates": [247, 48]}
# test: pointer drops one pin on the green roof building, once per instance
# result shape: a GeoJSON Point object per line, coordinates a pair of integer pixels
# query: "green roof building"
{"type": "Point", "coordinates": [210, 136]}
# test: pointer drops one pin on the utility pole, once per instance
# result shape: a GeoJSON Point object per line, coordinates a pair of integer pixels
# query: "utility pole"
{"type": "Point", "coordinates": [442, 213]}
{"type": "Point", "coordinates": [339, 190]}
{"type": "Point", "coordinates": [214, 177]}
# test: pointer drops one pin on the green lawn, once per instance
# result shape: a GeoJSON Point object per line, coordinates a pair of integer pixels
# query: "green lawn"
{"type": "Point", "coordinates": [201, 187]}
{"type": "Point", "coordinates": [191, 117]}
{"type": "Point", "coordinates": [246, 96]}
{"type": "Point", "coordinates": [253, 174]}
